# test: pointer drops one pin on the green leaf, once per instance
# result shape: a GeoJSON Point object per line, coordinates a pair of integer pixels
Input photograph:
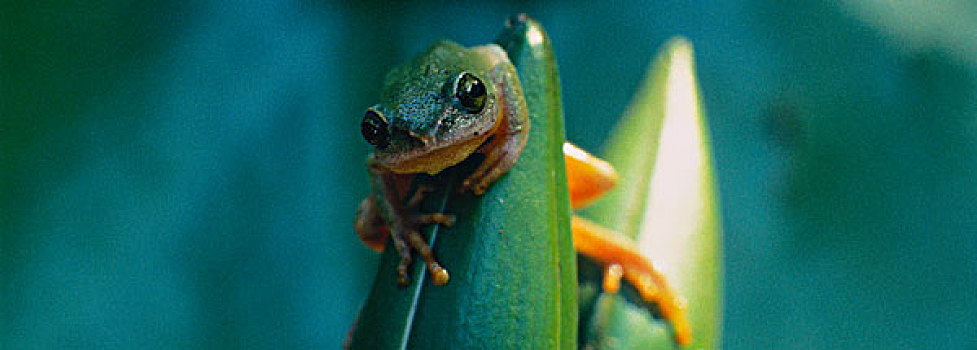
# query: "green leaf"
{"type": "Point", "coordinates": [667, 200]}
{"type": "Point", "coordinates": [510, 254]}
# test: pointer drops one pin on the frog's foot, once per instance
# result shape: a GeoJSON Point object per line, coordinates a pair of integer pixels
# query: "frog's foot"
{"type": "Point", "coordinates": [624, 261]}
{"type": "Point", "coordinates": [501, 154]}
{"type": "Point", "coordinates": [653, 289]}
{"type": "Point", "coordinates": [406, 236]}
{"type": "Point", "coordinates": [494, 165]}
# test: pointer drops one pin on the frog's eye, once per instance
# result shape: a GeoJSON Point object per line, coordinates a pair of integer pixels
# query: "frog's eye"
{"type": "Point", "coordinates": [470, 92]}
{"type": "Point", "coordinates": [374, 128]}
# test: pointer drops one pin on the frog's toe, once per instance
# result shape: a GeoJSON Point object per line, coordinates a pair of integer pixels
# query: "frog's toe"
{"type": "Point", "coordinates": [612, 278]}
{"type": "Point", "coordinates": [479, 189]}
{"type": "Point", "coordinates": [657, 292]}
{"type": "Point", "coordinates": [438, 218]}
{"type": "Point", "coordinates": [438, 274]}
{"type": "Point", "coordinates": [466, 185]}
{"type": "Point", "coordinates": [478, 185]}
{"type": "Point", "coordinates": [403, 278]}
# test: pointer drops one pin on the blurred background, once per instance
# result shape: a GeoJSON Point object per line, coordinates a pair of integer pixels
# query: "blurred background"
{"type": "Point", "coordinates": [184, 174]}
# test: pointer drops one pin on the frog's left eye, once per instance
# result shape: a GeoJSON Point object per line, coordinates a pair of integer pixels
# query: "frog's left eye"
{"type": "Point", "coordinates": [470, 92]}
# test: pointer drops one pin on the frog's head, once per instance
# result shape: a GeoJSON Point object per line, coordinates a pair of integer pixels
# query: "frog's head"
{"type": "Point", "coordinates": [437, 109]}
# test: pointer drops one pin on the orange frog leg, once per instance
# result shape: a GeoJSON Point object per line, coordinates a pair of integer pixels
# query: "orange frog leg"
{"type": "Point", "coordinates": [587, 178]}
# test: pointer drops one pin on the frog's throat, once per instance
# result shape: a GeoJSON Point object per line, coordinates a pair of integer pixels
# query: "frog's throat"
{"type": "Point", "coordinates": [435, 160]}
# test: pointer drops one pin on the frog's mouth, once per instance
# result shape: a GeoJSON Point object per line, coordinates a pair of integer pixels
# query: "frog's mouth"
{"type": "Point", "coordinates": [434, 160]}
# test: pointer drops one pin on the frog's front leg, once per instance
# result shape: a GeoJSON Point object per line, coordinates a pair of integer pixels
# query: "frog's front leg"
{"type": "Point", "coordinates": [512, 130]}
{"type": "Point", "coordinates": [388, 213]}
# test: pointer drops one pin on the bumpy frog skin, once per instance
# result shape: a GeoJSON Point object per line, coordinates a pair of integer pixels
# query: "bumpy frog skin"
{"type": "Point", "coordinates": [436, 110]}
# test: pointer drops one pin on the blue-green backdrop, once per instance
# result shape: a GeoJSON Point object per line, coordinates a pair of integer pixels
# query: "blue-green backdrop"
{"type": "Point", "coordinates": [184, 174]}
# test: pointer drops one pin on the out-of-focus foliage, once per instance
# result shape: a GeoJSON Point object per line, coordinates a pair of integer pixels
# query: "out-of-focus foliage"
{"type": "Point", "coordinates": [184, 174]}
{"type": "Point", "coordinates": [667, 201]}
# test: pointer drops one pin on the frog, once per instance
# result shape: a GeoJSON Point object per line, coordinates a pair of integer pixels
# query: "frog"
{"type": "Point", "coordinates": [437, 110]}
{"type": "Point", "coordinates": [448, 104]}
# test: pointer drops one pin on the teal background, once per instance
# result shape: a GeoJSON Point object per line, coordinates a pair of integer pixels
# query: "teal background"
{"type": "Point", "coordinates": [184, 174]}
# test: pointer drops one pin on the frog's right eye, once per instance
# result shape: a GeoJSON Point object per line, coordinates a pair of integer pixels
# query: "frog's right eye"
{"type": "Point", "coordinates": [374, 128]}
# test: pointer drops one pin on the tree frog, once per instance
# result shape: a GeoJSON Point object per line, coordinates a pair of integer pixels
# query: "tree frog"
{"type": "Point", "coordinates": [440, 108]}
{"type": "Point", "coordinates": [437, 110]}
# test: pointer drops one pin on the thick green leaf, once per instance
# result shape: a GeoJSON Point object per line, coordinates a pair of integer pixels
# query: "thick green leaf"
{"type": "Point", "coordinates": [667, 199]}
{"type": "Point", "coordinates": [509, 255]}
